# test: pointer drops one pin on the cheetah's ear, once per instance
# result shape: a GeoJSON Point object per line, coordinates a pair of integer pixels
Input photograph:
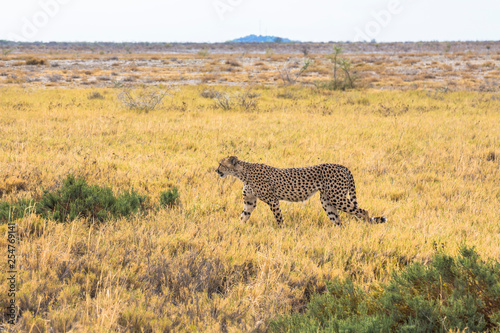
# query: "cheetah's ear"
{"type": "Point", "coordinates": [233, 160]}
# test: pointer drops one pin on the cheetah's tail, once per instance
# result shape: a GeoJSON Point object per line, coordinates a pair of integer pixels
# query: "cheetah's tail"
{"type": "Point", "coordinates": [380, 219]}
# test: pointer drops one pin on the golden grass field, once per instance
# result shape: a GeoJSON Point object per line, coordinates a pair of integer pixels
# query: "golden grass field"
{"type": "Point", "coordinates": [428, 160]}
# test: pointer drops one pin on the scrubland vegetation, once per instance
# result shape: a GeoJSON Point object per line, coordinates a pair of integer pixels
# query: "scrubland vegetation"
{"type": "Point", "coordinates": [165, 250]}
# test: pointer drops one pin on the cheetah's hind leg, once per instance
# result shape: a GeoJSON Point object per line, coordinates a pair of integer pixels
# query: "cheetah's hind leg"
{"type": "Point", "coordinates": [330, 210]}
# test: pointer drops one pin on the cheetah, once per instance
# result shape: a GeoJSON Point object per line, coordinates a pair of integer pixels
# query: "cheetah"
{"type": "Point", "coordinates": [269, 184]}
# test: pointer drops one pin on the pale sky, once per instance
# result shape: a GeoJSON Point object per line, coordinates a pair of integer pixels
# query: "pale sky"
{"type": "Point", "coordinates": [222, 20]}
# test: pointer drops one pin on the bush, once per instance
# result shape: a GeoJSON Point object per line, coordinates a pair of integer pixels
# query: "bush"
{"type": "Point", "coordinates": [142, 100]}
{"type": "Point", "coordinates": [75, 199]}
{"type": "Point", "coordinates": [342, 78]}
{"type": "Point", "coordinates": [13, 211]}
{"type": "Point", "coordinates": [78, 199]}
{"type": "Point", "coordinates": [36, 62]}
{"type": "Point", "coordinates": [460, 293]}
{"type": "Point", "coordinates": [169, 198]}
{"type": "Point", "coordinates": [290, 77]}
{"type": "Point", "coordinates": [224, 101]}
{"type": "Point", "coordinates": [209, 93]}
{"type": "Point", "coordinates": [95, 95]}
{"type": "Point", "coordinates": [246, 100]}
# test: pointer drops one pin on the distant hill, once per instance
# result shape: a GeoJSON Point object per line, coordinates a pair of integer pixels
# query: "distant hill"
{"type": "Point", "coordinates": [261, 39]}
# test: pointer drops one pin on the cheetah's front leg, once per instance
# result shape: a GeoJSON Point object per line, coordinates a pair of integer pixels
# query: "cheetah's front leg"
{"type": "Point", "coordinates": [250, 202]}
{"type": "Point", "coordinates": [275, 208]}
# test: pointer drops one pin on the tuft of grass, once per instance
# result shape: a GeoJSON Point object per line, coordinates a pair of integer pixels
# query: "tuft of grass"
{"type": "Point", "coordinates": [449, 293]}
{"type": "Point", "coordinates": [95, 95]}
{"type": "Point", "coordinates": [11, 184]}
{"type": "Point", "coordinates": [169, 197]}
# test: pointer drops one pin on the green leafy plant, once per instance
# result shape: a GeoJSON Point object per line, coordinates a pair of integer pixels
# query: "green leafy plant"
{"type": "Point", "coordinates": [449, 293]}
{"type": "Point", "coordinates": [76, 199]}
{"type": "Point", "coordinates": [16, 210]}
{"type": "Point", "coordinates": [342, 78]}
{"type": "Point", "coordinates": [169, 197]}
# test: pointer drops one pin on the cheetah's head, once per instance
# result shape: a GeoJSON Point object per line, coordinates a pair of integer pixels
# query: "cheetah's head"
{"type": "Point", "coordinates": [229, 166]}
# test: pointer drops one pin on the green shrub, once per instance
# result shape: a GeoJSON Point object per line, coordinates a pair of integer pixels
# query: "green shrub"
{"type": "Point", "coordinates": [169, 198]}
{"type": "Point", "coordinates": [16, 210]}
{"type": "Point", "coordinates": [75, 199]}
{"type": "Point", "coordinates": [460, 293]}
{"type": "Point", "coordinates": [343, 77]}
{"type": "Point", "coordinates": [78, 199]}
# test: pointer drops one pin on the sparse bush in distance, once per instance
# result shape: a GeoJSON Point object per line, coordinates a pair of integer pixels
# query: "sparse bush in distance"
{"type": "Point", "coordinates": [233, 63]}
{"type": "Point", "coordinates": [290, 77]}
{"type": "Point", "coordinates": [6, 51]}
{"type": "Point", "coordinates": [36, 61]}
{"type": "Point", "coordinates": [95, 95]}
{"type": "Point", "coordinates": [342, 78]}
{"type": "Point", "coordinates": [209, 93]}
{"type": "Point", "coordinates": [142, 100]}
{"type": "Point", "coordinates": [457, 294]}
{"type": "Point", "coordinates": [246, 100]}
{"type": "Point", "coordinates": [169, 197]}
{"type": "Point", "coordinates": [203, 53]}
{"type": "Point", "coordinates": [224, 101]}
{"type": "Point", "coordinates": [54, 77]}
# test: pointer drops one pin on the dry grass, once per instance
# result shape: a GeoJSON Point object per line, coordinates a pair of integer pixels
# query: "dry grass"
{"type": "Point", "coordinates": [425, 159]}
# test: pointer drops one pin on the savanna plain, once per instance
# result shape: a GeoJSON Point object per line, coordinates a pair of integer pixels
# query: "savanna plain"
{"type": "Point", "coordinates": [419, 130]}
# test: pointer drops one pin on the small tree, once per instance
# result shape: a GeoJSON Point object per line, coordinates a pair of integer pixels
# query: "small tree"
{"type": "Point", "coordinates": [6, 51]}
{"type": "Point", "coordinates": [290, 77]}
{"type": "Point", "coordinates": [342, 78]}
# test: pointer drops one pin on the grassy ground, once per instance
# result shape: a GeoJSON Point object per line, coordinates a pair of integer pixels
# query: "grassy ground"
{"type": "Point", "coordinates": [428, 160]}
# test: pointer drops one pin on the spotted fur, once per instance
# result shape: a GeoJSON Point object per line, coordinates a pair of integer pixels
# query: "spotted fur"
{"type": "Point", "coordinates": [334, 182]}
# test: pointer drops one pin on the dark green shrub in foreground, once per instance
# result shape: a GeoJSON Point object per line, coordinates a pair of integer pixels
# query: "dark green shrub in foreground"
{"type": "Point", "coordinates": [460, 293]}
{"type": "Point", "coordinates": [78, 199]}
{"type": "Point", "coordinates": [16, 210]}
{"type": "Point", "coordinates": [75, 199]}
{"type": "Point", "coordinates": [169, 197]}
